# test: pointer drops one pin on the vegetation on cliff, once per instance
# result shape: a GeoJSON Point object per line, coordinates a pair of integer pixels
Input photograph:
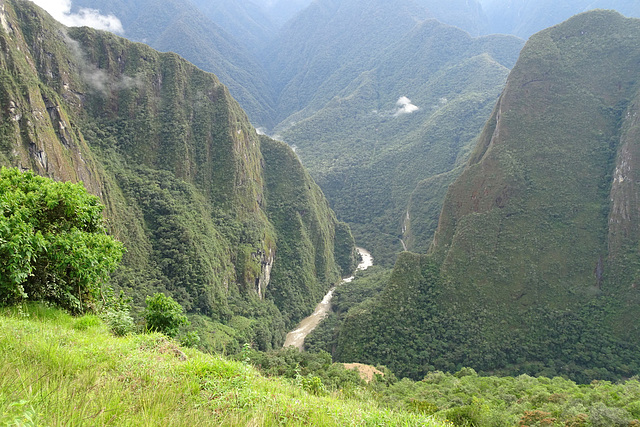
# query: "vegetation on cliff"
{"type": "Point", "coordinates": [180, 171]}
{"type": "Point", "coordinates": [534, 264]}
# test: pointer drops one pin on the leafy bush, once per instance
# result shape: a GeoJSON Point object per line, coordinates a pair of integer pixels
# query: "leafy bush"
{"type": "Point", "coordinates": [164, 314]}
{"type": "Point", "coordinates": [120, 322]}
{"type": "Point", "coordinates": [53, 242]}
{"type": "Point", "coordinates": [116, 312]}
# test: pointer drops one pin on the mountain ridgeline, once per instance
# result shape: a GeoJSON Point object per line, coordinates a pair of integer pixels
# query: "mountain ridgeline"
{"type": "Point", "coordinates": [534, 265]}
{"type": "Point", "coordinates": [382, 111]}
{"type": "Point", "coordinates": [224, 220]}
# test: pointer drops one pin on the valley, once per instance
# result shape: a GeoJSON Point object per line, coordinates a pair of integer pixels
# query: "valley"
{"type": "Point", "coordinates": [296, 337]}
{"type": "Point", "coordinates": [485, 152]}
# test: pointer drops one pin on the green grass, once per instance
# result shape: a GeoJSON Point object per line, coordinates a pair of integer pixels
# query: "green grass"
{"type": "Point", "coordinates": [58, 370]}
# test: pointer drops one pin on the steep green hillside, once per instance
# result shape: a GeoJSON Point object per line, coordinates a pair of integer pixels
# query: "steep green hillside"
{"type": "Point", "coordinates": [180, 170]}
{"type": "Point", "coordinates": [181, 27]}
{"type": "Point", "coordinates": [537, 240]}
{"type": "Point", "coordinates": [368, 152]}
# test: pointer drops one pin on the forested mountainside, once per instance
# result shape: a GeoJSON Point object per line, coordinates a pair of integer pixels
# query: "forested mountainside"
{"type": "Point", "coordinates": [534, 265]}
{"type": "Point", "coordinates": [225, 221]}
{"type": "Point", "coordinates": [412, 116]}
{"type": "Point", "coordinates": [245, 20]}
{"type": "Point", "coordinates": [180, 26]}
{"type": "Point", "coordinates": [526, 17]}
{"type": "Point", "coordinates": [330, 43]}
{"type": "Point", "coordinates": [330, 79]}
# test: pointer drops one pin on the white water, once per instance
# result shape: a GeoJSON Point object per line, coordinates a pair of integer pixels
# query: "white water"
{"type": "Point", "coordinates": [296, 337]}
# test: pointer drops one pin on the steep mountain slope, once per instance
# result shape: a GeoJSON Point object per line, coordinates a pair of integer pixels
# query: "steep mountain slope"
{"type": "Point", "coordinates": [281, 11]}
{"type": "Point", "coordinates": [179, 26]}
{"type": "Point", "coordinates": [412, 116]}
{"type": "Point", "coordinates": [319, 52]}
{"type": "Point", "coordinates": [537, 243]}
{"type": "Point", "coordinates": [245, 20]}
{"type": "Point", "coordinates": [525, 17]}
{"type": "Point", "coordinates": [180, 170]}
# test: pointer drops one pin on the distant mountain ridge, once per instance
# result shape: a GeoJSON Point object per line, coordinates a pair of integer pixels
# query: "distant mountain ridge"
{"type": "Point", "coordinates": [526, 17]}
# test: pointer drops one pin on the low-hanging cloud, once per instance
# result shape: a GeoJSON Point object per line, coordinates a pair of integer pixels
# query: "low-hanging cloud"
{"type": "Point", "coordinates": [98, 79]}
{"type": "Point", "coordinates": [61, 11]}
{"type": "Point", "coordinates": [405, 106]}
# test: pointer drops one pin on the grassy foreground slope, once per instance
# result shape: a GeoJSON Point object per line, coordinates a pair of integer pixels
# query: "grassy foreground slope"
{"type": "Point", "coordinates": [60, 370]}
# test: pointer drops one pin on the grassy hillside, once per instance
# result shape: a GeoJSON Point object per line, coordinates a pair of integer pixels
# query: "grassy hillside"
{"type": "Point", "coordinates": [180, 170]}
{"type": "Point", "coordinates": [59, 370]}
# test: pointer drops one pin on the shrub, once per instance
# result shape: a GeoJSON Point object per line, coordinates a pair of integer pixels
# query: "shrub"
{"type": "Point", "coordinates": [164, 314]}
{"type": "Point", "coordinates": [53, 242]}
{"type": "Point", "coordinates": [119, 321]}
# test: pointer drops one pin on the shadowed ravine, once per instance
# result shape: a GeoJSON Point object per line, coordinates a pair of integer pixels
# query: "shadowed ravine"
{"type": "Point", "coordinates": [296, 337]}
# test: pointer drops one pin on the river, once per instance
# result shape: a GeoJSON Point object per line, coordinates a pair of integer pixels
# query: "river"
{"type": "Point", "coordinates": [296, 337]}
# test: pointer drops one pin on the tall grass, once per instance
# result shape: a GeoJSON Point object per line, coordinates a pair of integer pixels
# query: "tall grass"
{"type": "Point", "coordinates": [57, 370]}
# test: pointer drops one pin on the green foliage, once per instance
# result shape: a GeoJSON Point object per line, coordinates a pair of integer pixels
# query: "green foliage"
{"type": "Point", "coordinates": [53, 244]}
{"type": "Point", "coordinates": [164, 314]}
{"type": "Point", "coordinates": [312, 371]}
{"type": "Point", "coordinates": [369, 160]}
{"type": "Point", "coordinates": [65, 376]}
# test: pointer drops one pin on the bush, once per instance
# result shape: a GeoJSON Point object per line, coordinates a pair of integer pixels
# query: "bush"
{"type": "Point", "coordinates": [53, 242]}
{"type": "Point", "coordinates": [164, 314]}
{"type": "Point", "coordinates": [119, 321]}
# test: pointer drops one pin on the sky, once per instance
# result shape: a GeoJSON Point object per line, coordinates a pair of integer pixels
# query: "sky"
{"type": "Point", "coordinates": [61, 11]}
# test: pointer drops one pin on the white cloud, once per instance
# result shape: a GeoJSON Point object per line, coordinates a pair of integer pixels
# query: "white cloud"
{"type": "Point", "coordinates": [61, 11]}
{"type": "Point", "coordinates": [405, 106]}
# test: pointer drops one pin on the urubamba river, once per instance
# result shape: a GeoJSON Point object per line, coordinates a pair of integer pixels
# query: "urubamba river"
{"type": "Point", "coordinates": [296, 337]}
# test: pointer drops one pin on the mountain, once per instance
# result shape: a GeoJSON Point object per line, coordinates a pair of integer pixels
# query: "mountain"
{"type": "Point", "coordinates": [330, 43]}
{"type": "Point", "coordinates": [534, 265]}
{"type": "Point", "coordinates": [227, 222]}
{"type": "Point", "coordinates": [525, 17]}
{"type": "Point", "coordinates": [412, 116]}
{"type": "Point", "coordinates": [180, 26]}
{"type": "Point", "coordinates": [246, 21]}
{"type": "Point", "coordinates": [281, 11]}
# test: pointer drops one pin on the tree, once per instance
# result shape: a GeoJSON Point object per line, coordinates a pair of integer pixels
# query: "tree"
{"type": "Point", "coordinates": [53, 242]}
{"type": "Point", "coordinates": [164, 314]}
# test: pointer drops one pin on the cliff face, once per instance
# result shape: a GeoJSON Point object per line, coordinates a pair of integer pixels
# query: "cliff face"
{"type": "Point", "coordinates": [173, 157]}
{"type": "Point", "coordinates": [547, 200]}
{"type": "Point", "coordinates": [537, 242]}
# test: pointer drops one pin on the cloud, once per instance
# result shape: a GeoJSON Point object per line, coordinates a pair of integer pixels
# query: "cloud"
{"type": "Point", "coordinates": [98, 79]}
{"type": "Point", "coordinates": [405, 106]}
{"type": "Point", "coordinates": [61, 11]}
